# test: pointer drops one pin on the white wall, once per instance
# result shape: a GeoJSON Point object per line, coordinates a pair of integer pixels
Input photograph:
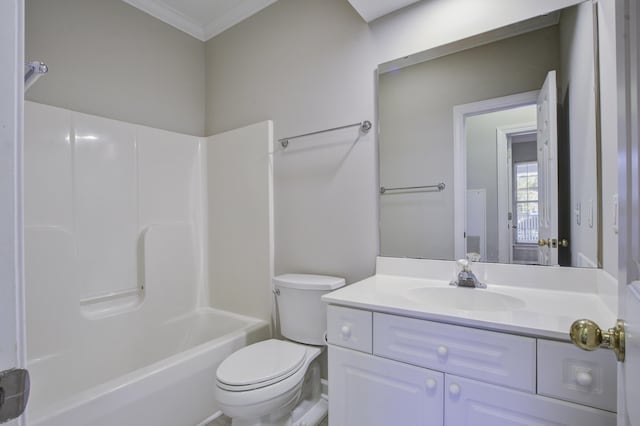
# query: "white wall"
{"type": "Point", "coordinates": [82, 244]}
{"type": "Point", "coordinates": [578, 97]}
{"type": "Point", "coordinates": [240, 219]}
{"type": "Point", "coordinates": [103, 185]}
{"type": "Point", "coordinates": [110, 59]}
{"type": "Point", "coordinates": [309, 65]}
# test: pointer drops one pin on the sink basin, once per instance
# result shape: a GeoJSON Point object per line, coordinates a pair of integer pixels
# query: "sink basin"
{"type": "Point", "coordinates": [466, 299]}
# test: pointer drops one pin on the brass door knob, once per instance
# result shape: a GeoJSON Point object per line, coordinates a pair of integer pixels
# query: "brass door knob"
{"type": "Point", "coordinates": [588, 336]}
{"type": "Point", "coordinates": [543, 243]}
{"type": "Point", "coordinates": [553, 242]}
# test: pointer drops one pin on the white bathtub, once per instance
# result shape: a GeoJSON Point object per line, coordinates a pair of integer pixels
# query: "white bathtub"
{"type": "Point", "coordinates": [143, 375]}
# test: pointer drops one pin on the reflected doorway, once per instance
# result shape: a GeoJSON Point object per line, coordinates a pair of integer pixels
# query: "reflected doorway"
{"type": "Point", "coordinates": [505, 168]}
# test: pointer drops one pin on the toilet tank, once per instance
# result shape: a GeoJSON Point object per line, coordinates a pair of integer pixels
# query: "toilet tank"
{"type": "Point", "coordinates": [302, 315]}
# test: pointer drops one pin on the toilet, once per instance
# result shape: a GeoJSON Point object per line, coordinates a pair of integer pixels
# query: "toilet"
{"type": "Point", "coordinates": [277, 382]}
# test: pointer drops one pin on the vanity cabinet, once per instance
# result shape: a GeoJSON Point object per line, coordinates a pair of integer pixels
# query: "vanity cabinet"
{"type": "Point", "coordinates": [419, 372]}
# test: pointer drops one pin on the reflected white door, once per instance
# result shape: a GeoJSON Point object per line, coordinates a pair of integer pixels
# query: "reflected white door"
{"type": "Point", "coordinates": [547, 142]}
{"type": "Point", "coordinates": [476, 235]}
{"type": "Point", "coordinates": [11, 90]}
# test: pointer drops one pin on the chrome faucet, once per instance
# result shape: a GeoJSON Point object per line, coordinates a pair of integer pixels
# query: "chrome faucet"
{"type": "Point", "coordinates": [466, 278]}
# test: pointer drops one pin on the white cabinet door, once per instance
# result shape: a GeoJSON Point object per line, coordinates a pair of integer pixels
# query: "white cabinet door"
{"type": "Point", "coordinates": [371, 391]}
{"type": "Point", "coordinates": [468, 402]}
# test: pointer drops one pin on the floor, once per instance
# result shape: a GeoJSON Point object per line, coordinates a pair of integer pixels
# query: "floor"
{"type": "Point", "coordinates": [226, 421]}
{"type": "Point", "coordinates": [220, 421]}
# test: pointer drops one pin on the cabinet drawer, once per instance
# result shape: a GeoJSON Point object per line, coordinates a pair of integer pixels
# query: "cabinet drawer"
{"type": "Point", "coordinates": [350, 328]}
{"type": "Point", "coordinates": [479, 354]}
{"type": "Point", "coordinates": [569, 373]}
{"type": "Point", "coordinates": [468, 402]}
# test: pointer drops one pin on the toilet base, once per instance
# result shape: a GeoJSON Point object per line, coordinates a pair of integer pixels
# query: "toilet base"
{"type": "Point", "coordinates": [314, 414]}
{"type": "Point", "coordinates": [309, 410]}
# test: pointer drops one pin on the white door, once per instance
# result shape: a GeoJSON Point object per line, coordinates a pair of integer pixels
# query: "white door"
{"type": "Point", "coordinates": [627, 50]}
{"type": "Point", "coordinates": [548, 171]}
{"type": "Point", "coordinates": [629, 383]}
{"type": "Point", "coordinates": [629, 218]}
{"type": "Point", "coordinates": [11, 104]}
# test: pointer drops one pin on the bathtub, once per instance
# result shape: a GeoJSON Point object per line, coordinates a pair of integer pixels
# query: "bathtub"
{"type": "Point", "coordinates": [160, 375]}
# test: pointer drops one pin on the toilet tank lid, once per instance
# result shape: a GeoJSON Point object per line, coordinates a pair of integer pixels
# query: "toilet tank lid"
{"type": "Point", "coordinates": [308, 281]}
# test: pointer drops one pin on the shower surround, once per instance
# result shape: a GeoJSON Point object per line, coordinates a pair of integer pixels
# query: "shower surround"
{"type": "Point", "coordinates": [121, 326]}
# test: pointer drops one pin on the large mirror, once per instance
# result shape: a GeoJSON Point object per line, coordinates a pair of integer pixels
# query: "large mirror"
{"type": "Point", "coordinates": [489, 146]}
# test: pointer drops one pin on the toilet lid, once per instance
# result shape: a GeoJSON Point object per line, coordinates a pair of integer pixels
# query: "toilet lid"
{"type": "Point", "coordinates": [260, 364]}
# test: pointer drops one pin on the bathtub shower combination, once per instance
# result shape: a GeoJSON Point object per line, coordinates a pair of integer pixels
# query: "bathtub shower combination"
{"type": "Point", "coordinates": [119, 325]}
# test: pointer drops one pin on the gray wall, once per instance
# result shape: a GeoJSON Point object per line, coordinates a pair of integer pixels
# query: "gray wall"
{"type": "Point", "coordinates": [110, 59]}
{"type": "Point", "coordinates": [576, 82]}
{"type": "Point", "coordinates": [309, 65]}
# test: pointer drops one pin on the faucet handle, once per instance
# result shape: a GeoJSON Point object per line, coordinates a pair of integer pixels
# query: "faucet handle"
{"type": "Point", "coordinates": [464, 264]}
{"type": "Point", "coordinates": [473, 256]}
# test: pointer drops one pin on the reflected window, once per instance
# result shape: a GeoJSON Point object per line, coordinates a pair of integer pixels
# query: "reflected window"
{"type": "Point", "coordinates": [526, 202]}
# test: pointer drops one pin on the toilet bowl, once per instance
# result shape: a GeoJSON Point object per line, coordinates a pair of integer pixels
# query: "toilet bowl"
{"type": "Point", "coordinates": [277, 382]}
{"type": "Point", "coordinates": [271, 387]}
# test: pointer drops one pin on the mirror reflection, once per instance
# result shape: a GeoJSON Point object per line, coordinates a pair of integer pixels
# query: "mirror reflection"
{"type": "Point", "coordinates": [488, 146]}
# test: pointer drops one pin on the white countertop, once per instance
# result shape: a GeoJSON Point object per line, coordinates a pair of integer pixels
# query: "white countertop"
{"type": "Point", "coordinates": [540, 312]}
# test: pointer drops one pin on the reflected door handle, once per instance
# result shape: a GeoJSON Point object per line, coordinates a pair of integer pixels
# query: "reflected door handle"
{"type": "Point", "coordinates": [553, 242]}
{"type": "Point", "coordinates": [544, 243]}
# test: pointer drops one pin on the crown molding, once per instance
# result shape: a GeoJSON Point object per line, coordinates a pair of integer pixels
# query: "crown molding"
{"type": "Point", "coordinates": [371, 10]}
{"type": "Point", "coordinates": [239, 13]}
{"type": "Point", "coordinates": [162, 11]}
{"type": "Point", "coordinates": [169, 15]}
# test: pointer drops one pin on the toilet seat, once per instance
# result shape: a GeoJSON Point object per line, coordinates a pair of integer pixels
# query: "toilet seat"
{"type": "Point", "coordinates": [260, 365]}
